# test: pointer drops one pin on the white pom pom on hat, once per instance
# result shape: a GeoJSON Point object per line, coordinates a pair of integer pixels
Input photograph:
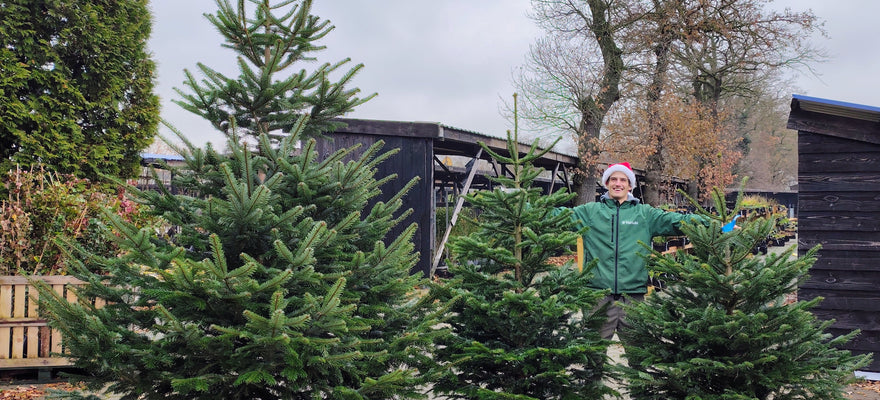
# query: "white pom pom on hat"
{"type": "Point", "coordinates": [621, 167]}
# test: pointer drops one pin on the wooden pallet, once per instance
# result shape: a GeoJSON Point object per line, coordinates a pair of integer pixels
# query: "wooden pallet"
{"type": "Point", "coordinates": [26, 340]}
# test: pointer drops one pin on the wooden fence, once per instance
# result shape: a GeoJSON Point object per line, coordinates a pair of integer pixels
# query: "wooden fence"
{"type": "Point", "coordinates": [26, 340]}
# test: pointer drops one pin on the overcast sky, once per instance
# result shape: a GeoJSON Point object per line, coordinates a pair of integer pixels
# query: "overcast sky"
{"type": "Point", "coordinates": [451, 61]}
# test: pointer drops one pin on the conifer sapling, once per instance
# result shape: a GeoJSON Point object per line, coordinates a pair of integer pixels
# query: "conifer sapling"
{"type": "Point", "coordinates": [521, 327]}
{"type": "Point", "coordinates": [722, 328]}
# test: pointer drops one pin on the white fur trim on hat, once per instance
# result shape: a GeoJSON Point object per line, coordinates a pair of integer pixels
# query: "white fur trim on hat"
{"type": "Point", "coordinates": [622, 167]}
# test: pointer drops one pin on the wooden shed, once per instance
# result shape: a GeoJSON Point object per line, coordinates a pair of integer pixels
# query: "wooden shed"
{"type": "Point", "coordinates": [423, 148]}
{"type": "Point", "coordinates": [839, 209]}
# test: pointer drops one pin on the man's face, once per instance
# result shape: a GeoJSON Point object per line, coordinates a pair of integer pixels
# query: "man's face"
{"type": "Point", "coordinates": [618, 186]}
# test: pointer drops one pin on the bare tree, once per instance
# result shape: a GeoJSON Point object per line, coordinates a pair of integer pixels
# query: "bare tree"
{"type": "Point", "coordinates": [732, 48]}
{"type": "Point", "coordinates": [720, 49]}
{"type": "Point", "coordinates": [643, 51]}
{"type": "Point", "coordinates": [771, 160]}
{"type": "Point", "coordinates": [662, 22]}
{"type": "Point", "coordinates": [729, 45]}
{"type": "Point", "coordinates": [573, 76]}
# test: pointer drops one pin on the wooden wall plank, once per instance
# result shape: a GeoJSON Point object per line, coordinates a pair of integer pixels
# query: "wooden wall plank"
{"type": "Point", "coordinates": [19, 299]}
{"type": "Point", "coordinates": [45, 341]}
{"type": "Point", "coordinates": [866, 341]}
{"type": "Point", "coordinates": [5, 301]}
{"type": "Point", "coordinates": [391, 128]}
{"type": "Point", "coordinates": [812, 143]}
{"type": "Point", "coordinates": [834, 235]}
{"type": "Point", "coordinates": [70, 295]}
{"type": "Point", "coordinates": [848, 162]}
{"type": "Point", "coordinates": [839, 241]}
{"type": "Point", "coordinates": [842, 280]}
{"type": "Point", "coordinates": [414, 160]}
{"type": "Point", "coordinates": [50, 279]}
{"type": "Point", "coordinates": [36, 363]}
{"type": "Point", "coordinates": [835, 182]}
{"type": "Point", "coordinates": [844, 301]}
{"type": "Point", "coordinates": [5, 340]}
{"type": "Point", "coordinates": [33, 332]}
{"type": "Point", "coordinates": [838, 202]}
{"type": "Point", "coordinates": [851, 320]}
{"type": "Point", "coordinates": [847, 260]}
{"type": "Point", "coordinates": [5, 312]}
{"type": "Point", "coordinates": [55, 338]}
{"type": "Point", "coordinates": [849, 221]}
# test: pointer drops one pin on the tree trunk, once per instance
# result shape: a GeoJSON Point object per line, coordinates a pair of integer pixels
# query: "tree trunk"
{"type": "Point", "coordinates": [651, 183]}
{"type": "Point", "coordinates": [653, 179]}
{"type": "Point", "coordinates": [588, 171]}
{"type": "Point", "coordinates": [593, 109]}
{"type": "Point", "coordinates": [590, 99]}
{"type": "Point", "coordinates": [585, 184]}
{"type": "Point", "coordinates": [693, 188]}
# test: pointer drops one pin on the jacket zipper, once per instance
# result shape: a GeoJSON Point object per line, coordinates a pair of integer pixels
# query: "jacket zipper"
{"type": "Point", "coordinates": [615, 238]}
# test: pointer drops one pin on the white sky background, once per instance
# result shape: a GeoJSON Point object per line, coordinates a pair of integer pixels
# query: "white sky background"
{"type": "Point", "coordinates": [451, 61]}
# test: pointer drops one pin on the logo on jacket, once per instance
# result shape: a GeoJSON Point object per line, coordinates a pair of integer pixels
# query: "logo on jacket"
{"type": "Point", "coordinates": [629, 222]}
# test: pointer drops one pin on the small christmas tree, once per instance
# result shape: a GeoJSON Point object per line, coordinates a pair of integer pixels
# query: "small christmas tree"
{"type": "Point", "coordinates": [723, 329]}
{"type": "Point", "coordinates": [521, 327]}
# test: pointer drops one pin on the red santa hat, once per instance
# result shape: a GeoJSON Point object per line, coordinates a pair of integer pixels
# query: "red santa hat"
{"type": "Point", "coordinates": [621, 167]}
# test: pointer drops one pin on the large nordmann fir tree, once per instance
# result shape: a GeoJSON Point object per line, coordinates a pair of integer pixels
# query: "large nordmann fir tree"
{"type": "Point", "coordinates": [278, 280]}
{"type": "Point", "coordinates": [522, 327]}
{"type": "Point", "coordinates": [722, 328]}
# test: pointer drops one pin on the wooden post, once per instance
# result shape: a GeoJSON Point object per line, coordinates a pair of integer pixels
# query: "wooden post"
{"type": "Point", "coordinates": [580, 253]}
{"type": "Point", "coordinates": [459, 202]}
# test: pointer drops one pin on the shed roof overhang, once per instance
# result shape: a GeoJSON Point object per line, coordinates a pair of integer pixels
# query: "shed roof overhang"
{"type": "Point", "coordinates": [835, 118]}
{"type": "Point", "coordinates": [450, 141]}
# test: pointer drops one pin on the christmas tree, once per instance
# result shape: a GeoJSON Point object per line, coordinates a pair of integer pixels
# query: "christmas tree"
{"type": "Point", "coordinates": [277, 279]}
{"type": "Point", "coordinates": [725, 326]}
{"type": "Point", "coordinates": [521, 327]}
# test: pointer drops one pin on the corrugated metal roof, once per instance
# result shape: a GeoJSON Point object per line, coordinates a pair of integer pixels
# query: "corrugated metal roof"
{"type": "Point", "coordinates": [469, 131]}
{"type": "Point", "coordinates": [838, 108]}
{"type": "Point", "coordinates": [166, 157]}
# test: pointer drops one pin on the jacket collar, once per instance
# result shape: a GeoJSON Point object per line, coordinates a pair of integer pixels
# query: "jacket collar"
{"type": "Point", "coordinates": [629, 199]}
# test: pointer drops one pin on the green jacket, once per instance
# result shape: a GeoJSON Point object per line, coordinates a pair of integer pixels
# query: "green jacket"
{"type": "Point", "coordinates": [613, 239]}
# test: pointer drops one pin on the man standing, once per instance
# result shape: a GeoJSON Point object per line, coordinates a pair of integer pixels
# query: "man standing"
{"type": "Point", "coordinates": [617, 223]}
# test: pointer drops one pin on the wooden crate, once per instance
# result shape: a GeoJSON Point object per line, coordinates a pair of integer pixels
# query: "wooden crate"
{"type": "Point", "coordinates": [26, 341]}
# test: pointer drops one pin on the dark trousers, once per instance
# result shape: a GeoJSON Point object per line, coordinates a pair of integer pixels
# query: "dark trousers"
{"type": "Point", "coordinates": [615, 316]}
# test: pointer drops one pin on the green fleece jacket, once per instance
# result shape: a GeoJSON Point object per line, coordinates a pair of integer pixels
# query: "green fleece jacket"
{"type": "Point", "coordinates": [613, 239]}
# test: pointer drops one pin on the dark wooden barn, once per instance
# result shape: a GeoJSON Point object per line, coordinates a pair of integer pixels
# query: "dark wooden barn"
{"type": "Point", "coordinates": [839, 209]}
{"type": "Point", "coordinates": [425, 149]}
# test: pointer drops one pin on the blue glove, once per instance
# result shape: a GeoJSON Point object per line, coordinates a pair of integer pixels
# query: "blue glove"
{"type": "Point", "coordinates": [729, 226]}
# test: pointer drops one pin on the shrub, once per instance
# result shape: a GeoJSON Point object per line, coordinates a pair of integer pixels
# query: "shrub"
{"type": "Point", "coordinates": [42, 210]}
{"type": "Point", "coordinates": [465, 225]}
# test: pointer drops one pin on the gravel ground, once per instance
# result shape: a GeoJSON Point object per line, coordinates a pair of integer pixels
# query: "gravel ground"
{"type": "Point", "coordinates": [868, 390]}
